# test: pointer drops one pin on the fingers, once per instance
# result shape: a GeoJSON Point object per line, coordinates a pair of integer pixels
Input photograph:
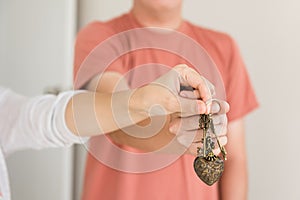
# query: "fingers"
{"type": "Point", "coordinates": [190, 77]}
{"type": "Point", "coordinates": [193, 148]}
{"type": "Point", "coordinates": [219, 106]}
{"type": "Point", "coordinates": [191, 93]}
{"type": "Point", "coordinates": [190, 136]}
{"type": "Point", "coordinates": [190, 107]}
{"type": "Point", "coordinates": [211, 87]}
{"type": "Point", "coordinates": [216, 106]}
{"type": "Point", "coordinates": [194, 94]}
{"type": "Point", "coordinates": [182, 124]}
{"type": "Point", "coordinates": [192, 141]}
{"type": "Point", "coordinates": [179, 125]}
{"type": "Point", "coordinates": [186, 139]}
{"type": "Point", "coordinates": [220, 124]}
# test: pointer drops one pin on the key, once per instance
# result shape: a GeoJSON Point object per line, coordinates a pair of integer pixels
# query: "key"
{"type": "Point", "coordinates": [207, 165]}
{"type": "Point", "coordinates": [222, 148]}
{"type": "Point", "coordinates": [208, 143]}
{"type": "Point", "coordinates": [204, 124]}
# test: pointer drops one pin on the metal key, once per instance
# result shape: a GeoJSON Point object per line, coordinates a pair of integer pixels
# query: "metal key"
{"type": "Point", "coordinates": [205, 123]}
{"type": "Point", "coordinates": [207, 165]}
{"type": "Point", "coordinates": [222, 148]}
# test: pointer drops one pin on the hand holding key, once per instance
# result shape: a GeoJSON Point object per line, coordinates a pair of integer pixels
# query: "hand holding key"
{"type": "Point", "coordinates": [190, 135]}
{"type": "Point", "coordinates": [207, 165]}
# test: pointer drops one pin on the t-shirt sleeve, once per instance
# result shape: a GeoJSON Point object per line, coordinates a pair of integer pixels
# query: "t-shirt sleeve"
{"type": "Point", "coordinates": [239, 91]}
{"type": "Point", "coordinates": [95, 52]}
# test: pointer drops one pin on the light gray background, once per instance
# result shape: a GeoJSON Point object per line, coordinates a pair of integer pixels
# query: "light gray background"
{"type": "Point", "coordinates": [36, 52]}
{"type": "Point", "coordinates": [268, 33]}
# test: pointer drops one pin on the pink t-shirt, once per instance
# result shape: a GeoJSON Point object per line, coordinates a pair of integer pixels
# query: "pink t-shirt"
{"type": "Point", "coordinates": [177, 180]}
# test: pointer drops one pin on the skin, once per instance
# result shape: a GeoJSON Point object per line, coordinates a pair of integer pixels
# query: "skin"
{"type": "Point", "coordinates": [158, 13]}
{"type": "Point", "coordinates": [84, 113]}
{"type": "Point", "coordinates": [234, 182]}
{"type": "Point", "coordinates": [157, 140]}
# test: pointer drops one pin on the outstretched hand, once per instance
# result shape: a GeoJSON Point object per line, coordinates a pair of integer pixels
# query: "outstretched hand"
{"type": "Point", "coordinates": [185, 93]}
{"type": "Point", "coordinates": [189, 134]}
{"type": "Point", "coordinates": [163, 96]}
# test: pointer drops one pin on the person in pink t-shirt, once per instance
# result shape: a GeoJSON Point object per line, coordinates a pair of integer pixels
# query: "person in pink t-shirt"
{"type": "Point", "coordinates": [133, 57]}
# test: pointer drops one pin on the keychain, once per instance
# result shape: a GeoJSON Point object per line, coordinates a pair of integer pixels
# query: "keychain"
{"type": "Point", "coordinates": [207, 165]}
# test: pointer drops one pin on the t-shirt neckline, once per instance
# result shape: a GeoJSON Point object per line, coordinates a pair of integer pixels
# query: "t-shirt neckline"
{"type": "Point", "coordinates": [182, 27]}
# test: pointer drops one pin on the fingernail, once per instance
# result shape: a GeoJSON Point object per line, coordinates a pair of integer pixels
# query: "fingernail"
{"type": "Point", "coordinates": [200, 107]}
{"type": "Point", "coordinates": [183, 94]}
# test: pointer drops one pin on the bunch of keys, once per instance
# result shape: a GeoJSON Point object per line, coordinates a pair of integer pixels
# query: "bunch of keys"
{"type": "Point", "coordinates": [207, 165]}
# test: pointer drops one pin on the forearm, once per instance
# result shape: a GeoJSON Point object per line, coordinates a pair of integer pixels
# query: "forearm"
{"type": "Point", "coordinates": [90, 113]}
{"type": "Point", "coordinates": [140, 138]}
{"type": "Point", "coordinates": [148, 135]}
{"type": "Point", "coordinates": [159, 98]}
{"type": "Point", "coordinates": [234, 182]}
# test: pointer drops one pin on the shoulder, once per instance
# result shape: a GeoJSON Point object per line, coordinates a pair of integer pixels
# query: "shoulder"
{"type": "Point", "coordinates": [220, 45]}
{"type": "Point", "coordinates": [94, 29]}
{"type": "Point", "coordinates": [209, 36]}
{"type": "Point", "coordinates": [103, 27]}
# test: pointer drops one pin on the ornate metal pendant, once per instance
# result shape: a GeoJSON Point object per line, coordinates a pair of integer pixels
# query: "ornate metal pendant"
{"type": "Point", "coordinates": [209, 171]}
{"type": "Point", "coordinates": [209, 167]}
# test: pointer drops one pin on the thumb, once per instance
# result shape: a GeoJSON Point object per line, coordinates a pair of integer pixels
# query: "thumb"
{"type": "Point", "coordinates": [190, 107]}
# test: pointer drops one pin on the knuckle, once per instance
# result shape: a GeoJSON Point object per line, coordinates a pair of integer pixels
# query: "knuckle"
{"type": "Point", "coordinates": [171, 104]}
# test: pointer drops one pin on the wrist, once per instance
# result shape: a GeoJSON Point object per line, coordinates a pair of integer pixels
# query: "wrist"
{"type": "Point", "coordinates": [151, 100]}
{"type": "Point", "coordinates": [138, 102]}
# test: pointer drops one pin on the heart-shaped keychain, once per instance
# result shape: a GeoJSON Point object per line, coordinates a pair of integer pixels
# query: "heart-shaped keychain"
{"type": "Point", "coordinates": [209, 167]}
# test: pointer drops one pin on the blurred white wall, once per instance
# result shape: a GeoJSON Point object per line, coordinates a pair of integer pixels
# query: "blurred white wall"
{"type": "Point", "coordinates": [36, 36]}
{"type": "Point", "coordinates": [36, 43]}
{"type": "Point", "coordinates": [268, 34]}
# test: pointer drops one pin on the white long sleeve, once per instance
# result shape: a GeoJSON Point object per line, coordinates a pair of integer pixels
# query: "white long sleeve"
{"type": "Point", "coordinates": [34, 122]}
{"type": "Point", "coordinates": [31, 123]}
